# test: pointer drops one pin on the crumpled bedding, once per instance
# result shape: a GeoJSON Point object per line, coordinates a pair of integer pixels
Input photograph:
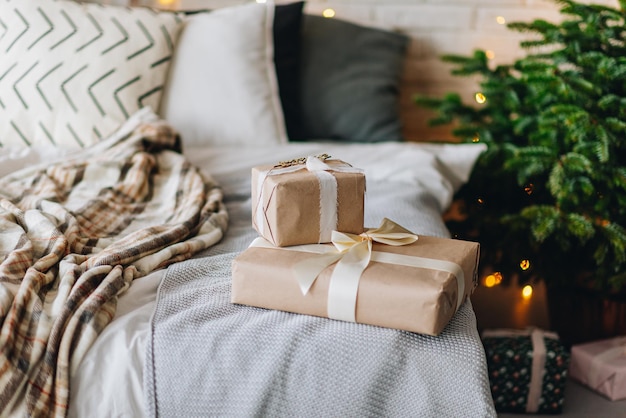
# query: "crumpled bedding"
{"type": "Point", "coordinates": [74, 234]}
{"type": "Point", "coordinates": [421, 175]}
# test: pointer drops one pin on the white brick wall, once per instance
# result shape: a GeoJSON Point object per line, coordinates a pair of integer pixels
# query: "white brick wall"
{"type": "Point", "coordinates": [436, 27]}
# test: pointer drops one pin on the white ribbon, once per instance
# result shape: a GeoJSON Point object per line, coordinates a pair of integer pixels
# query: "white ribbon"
{"type": "Point", "coordinates": [535, 386]}
{"type": "Point", "coordinates": [327, 186]}
{"type": "Point", "coordinates": [353, 253]}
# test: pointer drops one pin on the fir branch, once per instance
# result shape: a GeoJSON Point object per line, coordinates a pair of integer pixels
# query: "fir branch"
{"type": "Point", "coordinates": [580, 226]}
{"type": "Point", "coordinates": [616, 236]}
{"type": "Point", "coordinates": [544, 221]}
{"type": "Point", "coordinates": [552, 183]}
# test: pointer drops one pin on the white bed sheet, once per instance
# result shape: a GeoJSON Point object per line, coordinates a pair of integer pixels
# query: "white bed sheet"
{"type": "Point", "coordinates": [109, 380]}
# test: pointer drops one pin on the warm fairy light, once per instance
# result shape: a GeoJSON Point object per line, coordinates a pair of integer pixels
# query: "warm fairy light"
{"type": "Point", "coordinates": [524, 264]}
{"type": "Point", "coordinates": [480, 200]}
{"type": "Point", "coordinates": [490, 54]}
{"type": "Point", "coordinates": [493, 279]}
{"type": "Point", "coordinates": [527, 291]}
{"type": "Point", "coordinates": [602, 222]}
{"type": "Point", "coordinates": [490, 281]}
{"type": "Point", "coordinates": [480, 98]}
{"type": "Point", "coordinates": [166, 2]}
{"type": "Point", "coordinates": [501, 20]}
{"type": "Point", "coordinates": [529, 189]}
{"type": "Point", "coordinates": [328, 13]}
{"type": "Point", "coordinates": [476, 138]}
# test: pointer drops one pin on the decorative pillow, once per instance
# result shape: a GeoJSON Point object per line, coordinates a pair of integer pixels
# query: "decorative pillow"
{"type": "Point", "coordinates": [71, 73]}
{"type": "Point", "coordinates": [287, 39]}
{"type": "Point", "coordinates": [222, 88]}
{"type": "Point", "coordinates": [349, 82]}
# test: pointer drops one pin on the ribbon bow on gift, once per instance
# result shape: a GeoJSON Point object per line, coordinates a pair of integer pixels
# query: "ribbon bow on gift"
{"type": "Point", "coordinates": [313, 163]}
{"type": "Point", "coordinates": [327, 184]}
{"type": "Point", "coordinates": [355, 253]}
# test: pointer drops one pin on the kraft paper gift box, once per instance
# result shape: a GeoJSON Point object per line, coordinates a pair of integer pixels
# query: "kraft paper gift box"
{"type": "Point", "coordinates": [601, 365]}
{"type": "Point", "coordinates": [302, 201]}
{"type": "Point", "coordinates": [413, 284]}
{"type": "Point", "coordinates": [527, 370]}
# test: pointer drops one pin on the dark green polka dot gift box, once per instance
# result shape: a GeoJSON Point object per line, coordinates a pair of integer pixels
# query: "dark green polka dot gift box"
{"type": "Point", "coordinates": [527, 370]}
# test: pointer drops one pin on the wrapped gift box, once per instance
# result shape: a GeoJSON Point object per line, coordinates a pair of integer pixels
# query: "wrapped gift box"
{"type": "Point", "coordinates": [527, 370]}
{"type": "Point", "coordinates": [303, 201]}
{"type": "Point", "coordinates": [414, 287]}
{"type": "Point", "coordinates": [601, 365]}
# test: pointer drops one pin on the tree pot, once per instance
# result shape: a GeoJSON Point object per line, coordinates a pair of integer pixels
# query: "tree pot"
{"type": "Point", "coordinates": [581, 315]}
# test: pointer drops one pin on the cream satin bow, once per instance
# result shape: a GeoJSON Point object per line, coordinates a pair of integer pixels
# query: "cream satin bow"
{"type": "Point", "coordinates": [355, 252]}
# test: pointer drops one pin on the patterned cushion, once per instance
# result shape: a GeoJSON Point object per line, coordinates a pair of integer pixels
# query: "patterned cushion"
{"type": "Point", "coordinates": [71, 73]}
{"type": "Point", "coordinates": [349, 82]}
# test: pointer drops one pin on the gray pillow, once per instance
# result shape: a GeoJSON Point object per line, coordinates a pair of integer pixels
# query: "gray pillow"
{"type": "Point", "coordinates": [349, 82]}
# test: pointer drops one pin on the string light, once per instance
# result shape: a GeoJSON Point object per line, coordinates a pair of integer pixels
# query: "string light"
{"type": "Point", "coordinates": [529, 189]}
{"type": "Point", "coordinates": [166, 2]}
{"type": "Point", "coordinates": [476, 138]}
{"type": "Point", "coordinates": [480, 98]}
{"type": "Point", "coordinates": [524, 264]}
{"type": "Point", "coordinates": [490, 281]}
{"type": "Point", "coordinates": [501, 20]}
{"type": "Point", "coordinates": [493, 279]}
{"type": "Point", "coordinates": [527, 291]}
{"type": "Point", "coordinates": [490, 54]}
{"type": "Point", "coordinates": [328, 13]}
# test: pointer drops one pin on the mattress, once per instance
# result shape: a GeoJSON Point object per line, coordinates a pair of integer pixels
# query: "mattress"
{"type": "Point", "coordinates": [135, 369]}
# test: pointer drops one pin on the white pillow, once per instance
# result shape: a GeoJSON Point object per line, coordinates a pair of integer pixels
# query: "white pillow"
{"type": "Point", "coordinates": [71, 73]}
{"type": "Point", "coordinates": [222, 88]}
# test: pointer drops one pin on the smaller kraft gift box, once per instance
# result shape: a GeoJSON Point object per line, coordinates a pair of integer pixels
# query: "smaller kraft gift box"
{"type": "Point", "coordinates": [386, 276]}
{"type": "Point", "coordinates": [302, 201]}
{"type": "Point", "coordinates": [527, 370]}
{"type": "Point", "coordinates": [601, 365]}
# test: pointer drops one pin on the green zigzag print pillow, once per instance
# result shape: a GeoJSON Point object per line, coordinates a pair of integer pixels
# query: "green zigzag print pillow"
{"type": "Point", "coordinates": [71, 73]}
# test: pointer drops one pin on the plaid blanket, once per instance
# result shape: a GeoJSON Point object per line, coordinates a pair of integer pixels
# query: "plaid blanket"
{"type": "Point", "coordinates": [73, 236]}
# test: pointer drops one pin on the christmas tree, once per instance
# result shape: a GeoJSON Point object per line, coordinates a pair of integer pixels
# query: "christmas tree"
{"type": "Point", "coordinates": [547, 200]}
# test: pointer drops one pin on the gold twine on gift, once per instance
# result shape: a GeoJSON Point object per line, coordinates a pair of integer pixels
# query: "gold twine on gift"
{"type": "Point", "coordinates": [301, 161]}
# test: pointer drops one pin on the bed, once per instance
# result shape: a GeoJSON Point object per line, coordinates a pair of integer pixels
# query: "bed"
{"type": "Point", "coordinates": [117, 253]}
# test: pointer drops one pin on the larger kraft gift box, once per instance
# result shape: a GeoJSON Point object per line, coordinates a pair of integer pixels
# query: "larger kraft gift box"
{"type": "Point", "coordinates": [601, 365]}
{"type": "Point", "coordinates": [527, 370]}
{"type": "Point", "coordinates": [416, 286]}
{"type": "Point", "coordinates": [302, 201]}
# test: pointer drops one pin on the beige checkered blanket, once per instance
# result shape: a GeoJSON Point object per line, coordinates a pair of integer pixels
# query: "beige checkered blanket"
{"type": "Point", "coordinates": [73, 236]}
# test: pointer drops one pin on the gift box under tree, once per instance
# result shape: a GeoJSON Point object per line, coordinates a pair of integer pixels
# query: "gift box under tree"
{"type": "Point", "coordinates": [302, 201]}
{"type": "Point", "coordinates": [527, 370]}
{"type": "Point", "coordinates": [601, 365]}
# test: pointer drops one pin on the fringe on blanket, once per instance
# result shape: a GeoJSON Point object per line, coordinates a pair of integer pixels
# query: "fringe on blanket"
{"type": "Point", "coordinates": [73, 237]}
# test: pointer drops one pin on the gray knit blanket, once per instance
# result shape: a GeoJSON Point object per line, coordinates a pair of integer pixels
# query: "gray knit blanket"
{"type": "Point", "coordinates": [208, 357]}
